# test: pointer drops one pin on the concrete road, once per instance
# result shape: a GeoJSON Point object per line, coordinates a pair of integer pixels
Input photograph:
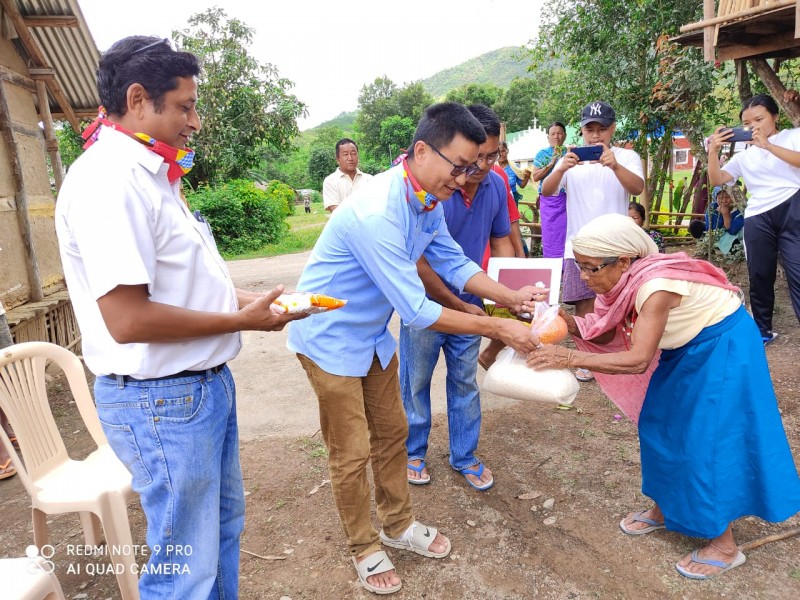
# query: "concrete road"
{"type": "Point", "coordinates": [274, 396]}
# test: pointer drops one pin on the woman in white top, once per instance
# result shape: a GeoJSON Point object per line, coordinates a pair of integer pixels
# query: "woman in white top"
{"type": "Point", "coordinates": [770, 168]}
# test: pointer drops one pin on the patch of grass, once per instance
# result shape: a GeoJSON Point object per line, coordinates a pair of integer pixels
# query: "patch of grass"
{"type": "Point", "coordinates": [295, 241]}
{"type": "Point", "coordinates": [302, 219]}
{"type": "Point", "coordinates": [313, 447]}
{"type": "Point", "coordinates": [280, 503]}
{"type": "Point", "coordinates": [794, 574]}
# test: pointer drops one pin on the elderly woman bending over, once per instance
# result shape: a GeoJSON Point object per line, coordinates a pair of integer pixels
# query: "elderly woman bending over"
{"type": "Point", "coordinates": [713, 448]}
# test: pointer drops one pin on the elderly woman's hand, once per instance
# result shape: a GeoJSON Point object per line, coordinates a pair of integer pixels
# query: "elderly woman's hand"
{"type": "Point", "coordinates": [550, 357]}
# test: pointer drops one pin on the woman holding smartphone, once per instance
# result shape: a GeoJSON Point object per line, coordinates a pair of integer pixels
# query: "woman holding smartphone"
{"type": "Point", "coordinates": [770, 168]}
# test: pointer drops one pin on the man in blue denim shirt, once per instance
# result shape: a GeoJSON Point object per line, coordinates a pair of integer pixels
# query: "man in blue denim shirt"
{"type": "Point", "coordinates": [367, 255]}
{"type": "Point", "coordinates": [476, 215]}
{"type": "Point", "coordinates": [159, 318]}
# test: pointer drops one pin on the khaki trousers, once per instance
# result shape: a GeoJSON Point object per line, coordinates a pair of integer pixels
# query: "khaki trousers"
{"type": "Point", "coordinates": [362, 420]}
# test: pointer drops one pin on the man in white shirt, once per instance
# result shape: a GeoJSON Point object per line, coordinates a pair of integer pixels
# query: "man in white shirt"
{"type": "Point", "coordinates": [593, 188]}
{"type": "Point", "coordinates": [159, 318]}
{"type": "Point", "coordinates": [347, 177]}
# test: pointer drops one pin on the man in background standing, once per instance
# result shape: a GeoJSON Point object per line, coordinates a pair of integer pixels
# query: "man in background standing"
{"type": "Point", "coordinates": [593, 188]}
{"type": "Point", "coordinates": [347, 177]}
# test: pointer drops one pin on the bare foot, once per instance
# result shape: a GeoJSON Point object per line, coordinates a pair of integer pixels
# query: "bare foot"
{"type": "Point", "coordinates": [653, 514]}
{"type": "Point", "coordinates": [412, 474]}
{"type": "Point", "coordinates": [439, 543]}
{"type": "Point", "coordinates": [386, 579]}
{"type": "Point", "coordinates": [714, 551]}
{"type": "Point", "coordinates": [485, 477]}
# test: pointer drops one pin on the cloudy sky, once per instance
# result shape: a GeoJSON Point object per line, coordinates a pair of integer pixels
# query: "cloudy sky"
{"type": "Point", "coordinates": [331, 49]}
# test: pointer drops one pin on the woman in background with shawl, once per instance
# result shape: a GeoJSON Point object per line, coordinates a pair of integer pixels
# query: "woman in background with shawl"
{"type": "Point", "coordinates": [713, 448]}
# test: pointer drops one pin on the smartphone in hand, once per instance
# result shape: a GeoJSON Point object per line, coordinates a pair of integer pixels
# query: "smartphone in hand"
{"type": "Point", "coordinates": [587, 153]}
{"type": "Point", "coordinates": [741, 134]}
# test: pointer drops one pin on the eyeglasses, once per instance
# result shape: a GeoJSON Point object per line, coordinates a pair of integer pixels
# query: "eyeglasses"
{"type": "Point", "coordinates": [155, 44]}
{"type": "Point", "coordinates": [489, 159]}
{"type": "Point", "coordinates": [458, 170]}
{"type": "Point", "coordinates": [602, 265]}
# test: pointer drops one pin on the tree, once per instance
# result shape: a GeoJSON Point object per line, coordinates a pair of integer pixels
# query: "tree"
{"type": "Point", "coordinates": [519, 104]}
{"type": "Point", "coordinates": [383, 99]}
{"type": "Point", "coordinates": [396, 133]}
{"type": "Point", "coordinates": [321, 163]}
{"type": "Point", "coordinates": [619, 52]}
{"type": "Point", "coordinates": [475, 93]}
{"type": "Point", "coordinates": [245, 106]}
{"type": "Point", "coordinates": [375, 102]}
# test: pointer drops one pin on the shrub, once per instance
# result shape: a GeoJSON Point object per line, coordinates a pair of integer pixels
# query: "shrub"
{"type": "Point", "coordinates": [242, 217]}
{"type": "Point", "coordinates": [282, 193]}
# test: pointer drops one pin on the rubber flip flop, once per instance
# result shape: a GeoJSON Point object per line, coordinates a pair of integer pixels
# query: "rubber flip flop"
{"type": "Point", "coordinates": [638, 518]}
{"type": "Point", "coordinates": [739, 560]}
{"type": "Point", "coordinates": [8, 470]}
{"type": "Point", "coordinates": [418, 469]}
{"type": "Point", "coordinates": [477, 472]}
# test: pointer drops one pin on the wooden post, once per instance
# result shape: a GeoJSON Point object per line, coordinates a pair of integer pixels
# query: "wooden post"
{"type": "Point", "coordinates": [20, 197]}
{"type": "Point", "coordinates": [50, 140]}
{"type": "Point", "coordinates": [708, 31]}
{"type": "Point", "coordinates": [776, 89]}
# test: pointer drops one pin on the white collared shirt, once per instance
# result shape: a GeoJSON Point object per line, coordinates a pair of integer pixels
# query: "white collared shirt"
{"type": "Point", "coordinates": [338, 186]}
{"type": "Point", "coordinates": [120, 222]}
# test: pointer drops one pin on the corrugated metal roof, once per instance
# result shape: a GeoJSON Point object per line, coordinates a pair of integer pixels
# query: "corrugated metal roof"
{"type": "Point", "coordinates": [70, 51]}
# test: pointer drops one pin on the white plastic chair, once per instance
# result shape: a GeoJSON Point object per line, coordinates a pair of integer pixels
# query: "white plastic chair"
{"type": "Point", "coordinates": [97, 487]}
{"type": "Point", "coordinates": [29, 579]}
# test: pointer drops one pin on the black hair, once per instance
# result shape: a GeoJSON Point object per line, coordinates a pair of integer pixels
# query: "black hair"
{"type": "Point", "coordinates": [697, 228]}
{"type": "Point", "coordinates": [440, 123]}
{"type": "Point", "coordinates": [343, 142]}
{"type": "Point", "coordinates": [556, 124]}
{"type": "Point", "coordinates": [486, 117]}
{"type": "Point", "coordinates": [149, 61]}
{"type": "Point", "coordinates": [638, 208]}
{"type": "Point", "coordinates": [764, 100]}
{"type": "Point", "coordinates": [504, 145]}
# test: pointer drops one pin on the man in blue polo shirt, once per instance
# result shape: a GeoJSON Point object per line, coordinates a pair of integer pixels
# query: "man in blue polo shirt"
{"type": "Point", "coordinates": [367, 255]}
{"type": "Point", "coordinates": [476, 214]}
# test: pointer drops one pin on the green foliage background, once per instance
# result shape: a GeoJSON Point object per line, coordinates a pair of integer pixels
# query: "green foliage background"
{"type": "Point", "coordinates": [242, 216]}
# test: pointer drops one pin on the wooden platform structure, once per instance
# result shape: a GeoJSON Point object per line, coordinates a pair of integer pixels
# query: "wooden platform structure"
{"type": "Point", "coordinates": [48, 61]}
{"type": "Point", "coordinates": [746, 29]}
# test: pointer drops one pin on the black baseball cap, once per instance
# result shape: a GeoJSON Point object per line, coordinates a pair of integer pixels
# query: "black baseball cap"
{"type": "Point", "coordinates": [598, 112]}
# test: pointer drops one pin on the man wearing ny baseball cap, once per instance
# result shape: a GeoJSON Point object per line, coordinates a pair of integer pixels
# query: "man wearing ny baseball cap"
{"type": "Point", "coordinates": [593, 188]}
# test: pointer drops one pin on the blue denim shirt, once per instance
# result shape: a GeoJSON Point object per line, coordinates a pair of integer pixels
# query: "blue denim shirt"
{"type": "Point", "coordinates": [367, 255]}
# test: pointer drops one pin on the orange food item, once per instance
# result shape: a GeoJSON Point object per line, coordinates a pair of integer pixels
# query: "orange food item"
{"type": "Point", "coordinates": [326, 301]}
{"type": "Point", "coordinates": [554, 332]}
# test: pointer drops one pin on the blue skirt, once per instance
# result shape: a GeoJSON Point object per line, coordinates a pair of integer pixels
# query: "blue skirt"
{"type": "Point", "coordinates": [712, 441]}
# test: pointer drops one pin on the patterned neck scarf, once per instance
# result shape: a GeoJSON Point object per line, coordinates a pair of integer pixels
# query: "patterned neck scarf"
{"type": "Point", "coordinates": [428, 201]}
{"type": "Point", "coordinates": [179, 161]}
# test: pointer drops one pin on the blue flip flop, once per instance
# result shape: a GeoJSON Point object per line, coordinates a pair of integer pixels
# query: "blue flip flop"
{"type": "Point", "coordinates": [418, 470]}
{"type": "Point", "coordinates": [739, 560]}
{"type": "Point", "coordinates": [638, 518]}
{"type": "Point", "coordinates": [477, 472]}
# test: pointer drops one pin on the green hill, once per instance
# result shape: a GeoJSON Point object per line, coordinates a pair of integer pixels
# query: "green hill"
{"type": "Point", "coordinates": [498, 67]}
{"type": "Point", "coordinates": [345, 120]}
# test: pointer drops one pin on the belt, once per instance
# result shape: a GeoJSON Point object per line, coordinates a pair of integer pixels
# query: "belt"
{"type": "Point", "coordinates": [187, 373]}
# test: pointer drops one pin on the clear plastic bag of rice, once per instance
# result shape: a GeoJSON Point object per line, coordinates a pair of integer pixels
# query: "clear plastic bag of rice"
{"type": "Point", "coordinates": [511, 377]}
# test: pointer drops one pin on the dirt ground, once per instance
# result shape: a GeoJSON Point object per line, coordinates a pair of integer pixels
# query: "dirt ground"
{"type": "Point", "coordinates": [584, 459]}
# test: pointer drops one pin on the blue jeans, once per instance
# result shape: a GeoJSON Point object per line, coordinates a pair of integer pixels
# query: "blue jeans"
{"type": "Point", "coordinates": [419, 352]}
{"type": "Point", "coordinates": [179, 439]}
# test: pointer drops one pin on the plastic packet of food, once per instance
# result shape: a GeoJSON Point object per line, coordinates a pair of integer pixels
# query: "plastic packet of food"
{"type": "Point", "coordinates": [510, 376]}
{"type": "Point", "coordinates": [305, 302]}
